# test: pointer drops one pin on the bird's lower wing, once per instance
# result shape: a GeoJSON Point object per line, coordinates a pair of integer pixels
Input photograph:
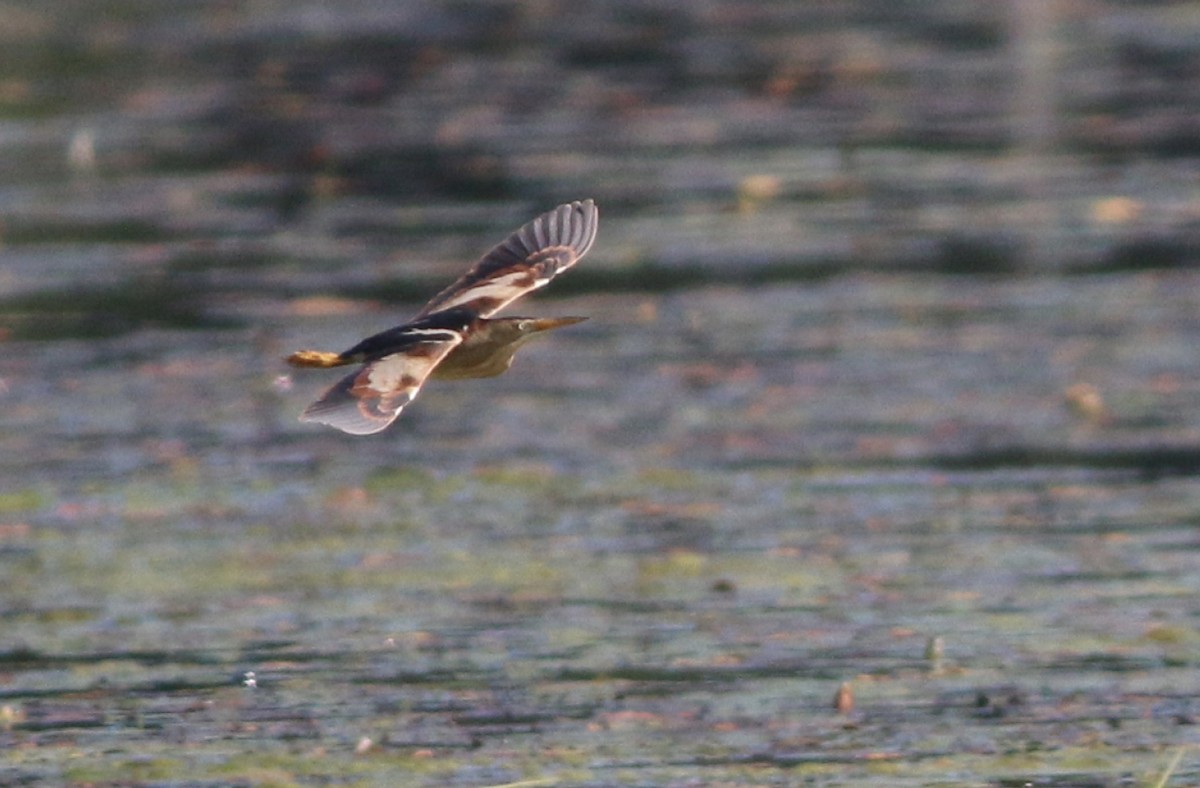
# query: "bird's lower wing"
{"type": "Point", "coordinates": [525, 261]}
{"type": "Point", "coordinates": [371, 398]}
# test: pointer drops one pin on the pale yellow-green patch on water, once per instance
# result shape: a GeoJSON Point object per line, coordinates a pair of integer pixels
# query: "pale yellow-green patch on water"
{"type": "Point", "coordinates": [1172, 635]}
{"type": "Point", "coordinates": [89, 770]}
{"type": "Point", "coordinates": [675, 479]}
{"type": "Point", "coordinates": [24, 500]}
{"type": "Point", "coordinates": [780, 571]}
{"type": "Point", "coordinates": [676, 563]}
{"type": "Point", "coordinates": [413, 483]}
{"type": "Point", "coordinates": [529, 478]}
{"type": "Point", "coordinates": [502, 570]}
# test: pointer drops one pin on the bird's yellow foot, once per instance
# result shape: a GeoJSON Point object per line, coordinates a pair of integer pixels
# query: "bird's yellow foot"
{"type": "Point", "coordinates": [315, 358]}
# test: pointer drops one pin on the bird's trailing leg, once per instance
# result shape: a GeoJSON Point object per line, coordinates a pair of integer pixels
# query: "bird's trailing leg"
{"type": "Point", "coordinates": [321, 359]}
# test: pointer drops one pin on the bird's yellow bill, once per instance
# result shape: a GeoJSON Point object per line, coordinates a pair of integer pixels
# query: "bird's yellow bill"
{"type": "Point", "coordinates": [547, 323]}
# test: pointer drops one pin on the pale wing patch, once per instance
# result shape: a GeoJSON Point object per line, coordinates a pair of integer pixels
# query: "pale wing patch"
{"type": "Point", "coordinates": [490, 295]}
{"type": "Point", "coordinates": [370, 399]}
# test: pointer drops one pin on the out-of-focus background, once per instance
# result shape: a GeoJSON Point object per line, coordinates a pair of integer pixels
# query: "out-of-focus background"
{"type": "Point", "coordinates": [889, 386]}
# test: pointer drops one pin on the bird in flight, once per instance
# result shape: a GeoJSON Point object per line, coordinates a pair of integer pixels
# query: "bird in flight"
{"type": "Point", "coordinates": [454, 336]}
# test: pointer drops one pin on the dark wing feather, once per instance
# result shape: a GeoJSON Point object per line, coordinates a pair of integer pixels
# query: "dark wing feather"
{"type": "Point", "coordinates": [371, 398]}
{"type": "Point", "coordinates": [445, 325]}
{"type": "Point", "coordinates": [525, 261]}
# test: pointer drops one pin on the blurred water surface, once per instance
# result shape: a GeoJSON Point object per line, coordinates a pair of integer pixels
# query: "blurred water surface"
{"type": "Point", "coordinates": [889, 381]}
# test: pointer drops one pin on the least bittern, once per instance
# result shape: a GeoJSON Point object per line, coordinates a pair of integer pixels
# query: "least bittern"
{"type": "Point", "coordinates": [454, 337]}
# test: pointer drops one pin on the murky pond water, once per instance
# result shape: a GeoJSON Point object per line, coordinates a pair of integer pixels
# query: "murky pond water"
{"type": "Point", "coordinates": [845, 481]}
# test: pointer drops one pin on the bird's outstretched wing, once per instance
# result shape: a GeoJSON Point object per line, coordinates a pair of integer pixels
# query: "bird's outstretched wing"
{"type": "Point", "coordinates": [397, 363]}
{"type": "Point", "coordinates": [525, 261]}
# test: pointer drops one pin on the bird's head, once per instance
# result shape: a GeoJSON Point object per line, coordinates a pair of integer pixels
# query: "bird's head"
{"type": "Point", "coordinates": [516, 331]}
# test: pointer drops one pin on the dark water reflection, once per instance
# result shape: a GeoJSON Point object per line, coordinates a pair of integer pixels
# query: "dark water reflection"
{"type": "Point", "coordinates": [875, 361]}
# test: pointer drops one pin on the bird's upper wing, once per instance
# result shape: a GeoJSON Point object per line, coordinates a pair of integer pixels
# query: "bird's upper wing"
{"type": "Point", "coordinates": [397, 363]}
{"type": "Point", "coordinates": [525, 261]}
